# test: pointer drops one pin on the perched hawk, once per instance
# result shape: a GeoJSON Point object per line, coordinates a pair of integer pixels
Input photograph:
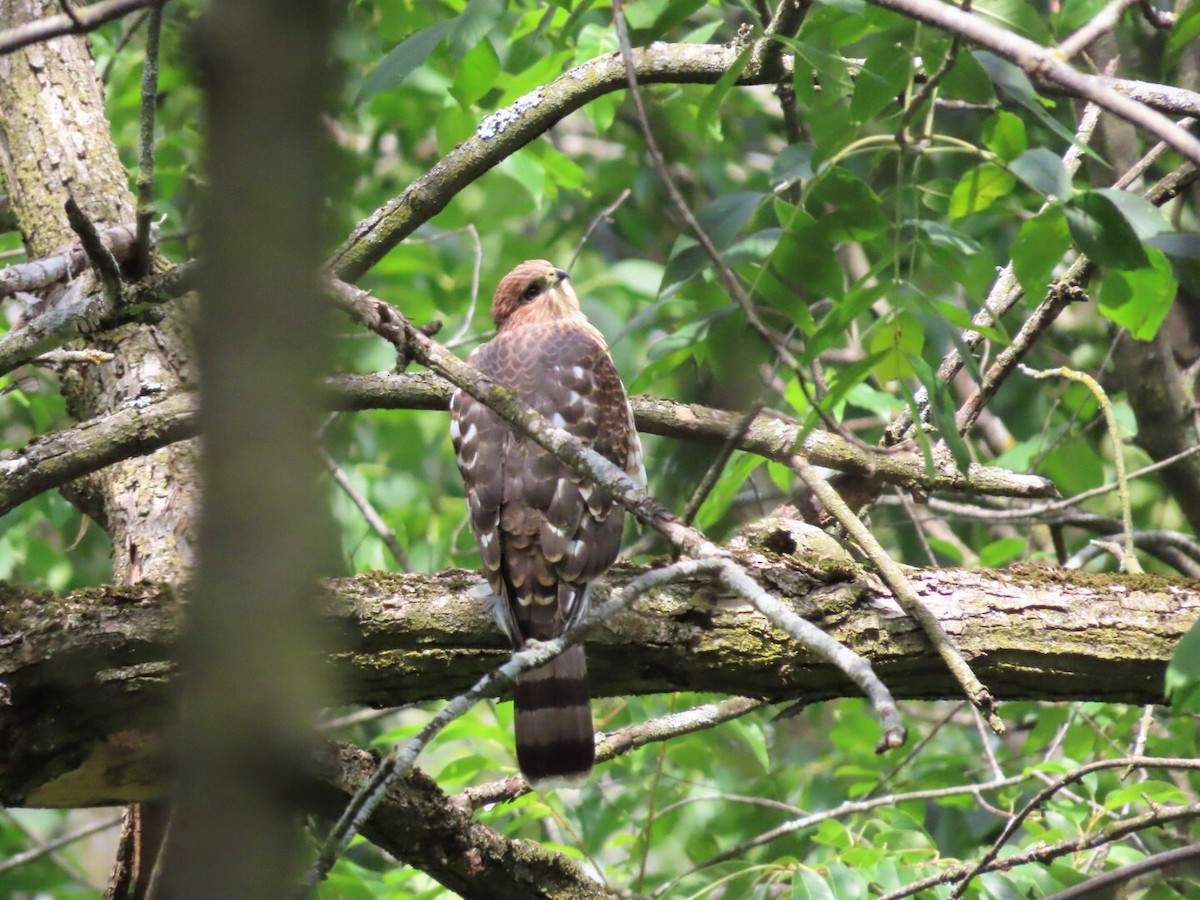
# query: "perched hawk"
{"type": "Point", "coordinates": [543, 534]}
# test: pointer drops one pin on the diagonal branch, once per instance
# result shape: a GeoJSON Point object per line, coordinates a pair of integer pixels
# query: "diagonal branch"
{"type": "Point", "coordinates": [507, 130]}
{"type": "Point", "coordinates": [1044, 64]}
{"type": "Point", "coordinates": [79, 21]}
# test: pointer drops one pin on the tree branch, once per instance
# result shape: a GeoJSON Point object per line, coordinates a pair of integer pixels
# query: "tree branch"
{"type": "Point", "coordinates": [88, 678]}
{"type": "Point", "coordinates": [507, 130]}
{"type": "Point", "coordinates": [85, 19]}
{"type": "Point", "coordinates": [148, 423]}
{"type": "Point", "coordinates": [1043, 63]}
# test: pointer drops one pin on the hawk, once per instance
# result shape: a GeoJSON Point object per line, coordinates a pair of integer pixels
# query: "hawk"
{"type": "Point", "coordinates": [544, 534]}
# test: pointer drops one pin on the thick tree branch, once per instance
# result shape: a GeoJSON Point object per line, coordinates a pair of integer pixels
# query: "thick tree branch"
{"type": "Point", "coordinates": [507, 130]}
{"type": "Point", "coordinates": [421, 826]}
{"type": "Point", "coordinates": [87, 678]}
{"type": "Point", "coordinates": [148, 423]}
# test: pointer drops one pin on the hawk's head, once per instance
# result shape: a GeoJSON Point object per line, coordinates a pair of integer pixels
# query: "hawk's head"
{"type": "Point", "coordinates": [535, 291]}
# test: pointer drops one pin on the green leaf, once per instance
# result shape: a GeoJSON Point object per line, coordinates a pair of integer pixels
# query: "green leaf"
{"type": "Point", "coordinates": [1004, 135]}
{"type": "Point", "coordinates": [1000, 552]}
{"type": "Point", "coordinates": [1183, 674]}
{"type": "Point", "coordinates": [476, 75]}
{"type": "Point", "coordinates": [1040, 246]}
{"type": "Point", "coordinates": [793, 162]}
{"type": "Point", "coordinates": [1043, 171]}
{"type": "Point", "coordinates": [849, 209]}
{"type": "Point", "coordinates": [804, 256]}
{"type": "Point", "coordinates": [979, 188]}
{"type": "Point", "coordinates": [402, 60]}
{"type": "Point", "coordinates": [1103, 233]}
{"type": "Point", "coordinates": [1018, 16]}
{"type": "Point", "coordinates": [707, 120]}
{"type": "Point", "coordinates": [1183, 246]}
{"type": "Point", "coordinates": [1144, 217]}
{"type": "Point", "coordinates": [1014, 83]}
{"type": "Point", "coordinates": [643, 13]}
{"type": "Point", "coordinates": [1139, 299]}
{"type": "Point", "coordinates": [883, 76]}
{"type": "Point", "coordinates": [808, 885]}
{"type": "Point", "coordinates": [474, 22]}
{"type": "Point", "coordinates": [896, 340]}
{"type": "Point", "coordinates": [1185, 30]}
{"type": "Point", "coordinates": [941, 235]}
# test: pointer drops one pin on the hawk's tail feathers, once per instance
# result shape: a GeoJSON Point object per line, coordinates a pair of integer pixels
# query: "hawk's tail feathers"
{"type": "Point", "coordinates": [554, 734]}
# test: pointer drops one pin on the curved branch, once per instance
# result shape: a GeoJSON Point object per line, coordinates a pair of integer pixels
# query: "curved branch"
{"type": "Point", "coordinates": [507, 130]}
{"type": "Point", "coordinates": [87, 677]}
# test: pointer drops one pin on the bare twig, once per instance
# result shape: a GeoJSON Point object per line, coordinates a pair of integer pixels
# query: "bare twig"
{"type": "Point", "coordinates": [1101, 23]}
{"type": "Point", "coordinates": [602, 217]}
{"type": "Point", "coordinates": [709, 481]}
{"type": "Point", "coordinates": [850, 807]}
{"type": "Point", "coordinates": [103, 262]}
{"type": "Point", "coordinates": [1044, 63]}
{"type": "Point", "coordinates": [901, 589]}
{"type": "Point", "coordinates": [84, 19]}
{"type": "Point", "coordinates": [145, 176]}
{"type": "Point", "coordinates": [1006, 292]}
{"type": "Point", "coordinates": [28, 856]}
{"type": "Point", "coordinates": [1103, 885]}
{"type": "Point", "coordinates": [369, 513]}
{"type": "Point", "coordinates": [1058, 784]}
{"type": "Point", "coordinates": [147, 423]}
{"type": "Point", "coordinates": [401, 759]}
{"type": "Point", "coordinates": [1129, 563]}
{"type": "Point", "coordinates": [931, 84]}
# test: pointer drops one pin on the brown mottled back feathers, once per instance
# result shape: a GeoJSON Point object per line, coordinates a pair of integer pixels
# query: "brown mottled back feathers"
{"type": "Point", "coordinates": [542, 533]}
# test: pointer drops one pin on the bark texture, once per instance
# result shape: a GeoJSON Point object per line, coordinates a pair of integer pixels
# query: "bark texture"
{"type": "Point", "coordinates": [86, 675]}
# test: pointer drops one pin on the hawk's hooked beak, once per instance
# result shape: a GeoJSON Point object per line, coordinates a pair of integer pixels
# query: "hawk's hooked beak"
{"type": "Point", "coordinates": [559, 274]}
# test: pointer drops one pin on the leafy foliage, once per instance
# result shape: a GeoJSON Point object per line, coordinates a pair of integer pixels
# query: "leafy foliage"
{"type": "Point", "coordinates": [868, 255]}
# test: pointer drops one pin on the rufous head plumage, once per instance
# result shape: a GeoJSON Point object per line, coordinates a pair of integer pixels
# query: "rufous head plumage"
{"type": "Point", "coordinates": [535, 291]}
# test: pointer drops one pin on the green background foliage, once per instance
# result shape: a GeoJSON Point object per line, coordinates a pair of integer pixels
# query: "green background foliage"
{"type": "Point", "coordinates": [870, 254]}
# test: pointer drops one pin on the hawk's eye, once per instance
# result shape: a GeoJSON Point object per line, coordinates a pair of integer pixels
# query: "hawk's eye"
{"type": "Point", "coordinates": [531, 292]}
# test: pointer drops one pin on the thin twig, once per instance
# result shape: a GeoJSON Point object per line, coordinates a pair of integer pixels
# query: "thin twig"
{"type": "Point", "coordinates": [1130, 563]}
{"type": "Point", "coordinates": [1058, 784]}
{"type": "Point", "coordinates": [713, 474]}
{"type": "Point", "coordinates": [145, 176]}
{"type": "Point", "coordinates": [847, 808]}
{"type": "Point", "coordinates": [901, 589]}
{"type": "Point", "coordinates": [602, 217]}
{"type": "Point", "coordinates": [1103, 885]}
{"type": "Point", "coordinates": [469, 318]}
{"type": "Point", "coordinates": [931, 84]}
{"type": "Point", "coordinates": [369, 513]}
{"type": "Point", "coordinates": [1101, 23]}
{"type": "Point", "coordinates": [85, 19]}
{"type": "Point", "coordinates": [103, 262]}
{"type": "Point", "coordinates": [1043, 63]}
{"type": "Point", "coordinates": [1005, 293]}
{"type": "Point", "coordinates": [28, 856]}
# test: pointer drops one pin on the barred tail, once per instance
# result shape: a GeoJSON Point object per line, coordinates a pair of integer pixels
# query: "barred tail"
{"type": "Point", "coordinates": [554, 735]}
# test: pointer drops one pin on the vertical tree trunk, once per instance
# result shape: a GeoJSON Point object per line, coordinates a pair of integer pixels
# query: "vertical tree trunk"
{"type": "Point", "coordinates": [55, 143]}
